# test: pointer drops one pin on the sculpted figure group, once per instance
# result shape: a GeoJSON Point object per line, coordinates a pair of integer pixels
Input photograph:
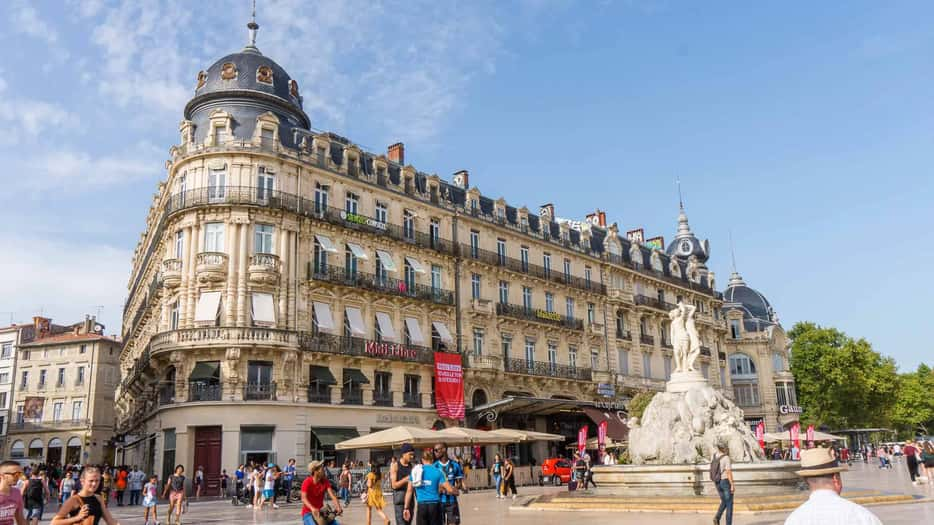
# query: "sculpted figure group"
{"type": "Point", "coordinates": [684, 338]}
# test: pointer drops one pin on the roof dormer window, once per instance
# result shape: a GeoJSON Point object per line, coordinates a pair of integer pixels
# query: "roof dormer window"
{"type": "Point", "coordinates": [264, 75]}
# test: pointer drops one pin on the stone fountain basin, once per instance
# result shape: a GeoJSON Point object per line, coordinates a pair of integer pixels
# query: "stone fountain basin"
{"type": "Point", "coordinates": [765, 478]}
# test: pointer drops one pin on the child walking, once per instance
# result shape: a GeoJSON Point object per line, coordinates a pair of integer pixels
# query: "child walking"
{"type": "Point", "coordinates": [150, 500]}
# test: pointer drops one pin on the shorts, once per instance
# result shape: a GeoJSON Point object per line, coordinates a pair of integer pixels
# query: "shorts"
{"type": "Point", "coordinates": [34, 512]}
{"type": "Point", "coordinates": [268, 493]}
{"type": "Point", "coordinates": [149, 502]}
{"type": "Point", "coordinates": [176, 496]}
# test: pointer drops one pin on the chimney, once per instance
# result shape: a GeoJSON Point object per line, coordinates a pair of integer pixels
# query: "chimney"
{"type": "Point", "coordinates": [602, 217]}
{"type": "Point", "coordinates": [461, 179]}
{"type": "Point", "coordinates": [397, 153]}
{"type": "Point", "coordinates": [547, 210]}
{"type": "Point", "coordinates": [42, 326]}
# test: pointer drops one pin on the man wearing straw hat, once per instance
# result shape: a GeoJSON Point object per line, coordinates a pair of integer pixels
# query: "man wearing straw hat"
{"type": "Point", "coordinates": [821, 470]}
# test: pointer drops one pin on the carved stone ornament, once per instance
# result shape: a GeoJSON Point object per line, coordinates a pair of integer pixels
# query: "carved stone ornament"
{"type": "Point", "coordinates": [264, 75]}
{"type": "Point", "coordinates": [233, 354]}
{"type": "Point", "coordinates": [202, 80]}
{"type": "Point", "coordinates": [293, 88]}
{"type": "Point", "coordinates": [228, 71]}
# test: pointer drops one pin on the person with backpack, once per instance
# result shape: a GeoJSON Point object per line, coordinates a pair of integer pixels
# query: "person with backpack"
{"type": "Point", "coordinates": [721, 473]}
{"type": "Point", "coordinates": [37, 493]}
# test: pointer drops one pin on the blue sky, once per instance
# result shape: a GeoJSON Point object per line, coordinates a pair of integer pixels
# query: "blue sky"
{"type": "Point", "coordinates": [802, 128]}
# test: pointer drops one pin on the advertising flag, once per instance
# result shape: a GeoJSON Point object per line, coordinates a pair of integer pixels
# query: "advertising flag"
{"type": "Point", "coordinates": [601, 439]}
{"type": "Point", "coordinates": [795, 432]}
{"type": "Point", "coordinates": [582, 440]}
{"type": "Point", "coordinates": [449, 385]}
{"type": "Point", "coordinates": [760, 434]}
{"type": "Point", "coordinates": [810, 434]}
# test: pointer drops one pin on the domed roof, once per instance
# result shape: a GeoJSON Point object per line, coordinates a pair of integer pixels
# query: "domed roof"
{"type": "Point", "coordinates": [249, 70]}
{"type": "Point", "coordinates": [686, 244]}
{"type": "Point", "coordinates": [753, 303]}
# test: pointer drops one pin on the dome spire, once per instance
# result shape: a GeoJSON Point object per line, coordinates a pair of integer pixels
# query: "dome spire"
{"type": "Point", "coordinates": [253, 27]}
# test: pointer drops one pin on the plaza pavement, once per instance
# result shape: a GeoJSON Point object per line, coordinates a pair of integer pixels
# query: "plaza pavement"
{"type": "Point", "coordinates": [482, 508]}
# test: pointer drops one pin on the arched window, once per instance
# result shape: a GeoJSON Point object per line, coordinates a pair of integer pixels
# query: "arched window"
{"type": "Point", "coordinates": [18, 449]}
{"type": "Point", "coordinates": [479, 398]}
{"type": "Point", "coordinates": [55, 443]}
{"type": "Point", "coordinates": [742, 367]}
{"type": "Point", "coordinates": [74, 442]}
{"type": "Point", "coordinates": [35, 448]}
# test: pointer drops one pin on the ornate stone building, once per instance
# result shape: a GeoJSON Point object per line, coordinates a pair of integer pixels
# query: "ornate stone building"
{"type": "Point", "coordinates": [758, 358]}
{"type": "Point", "coordinates": [290, 289]}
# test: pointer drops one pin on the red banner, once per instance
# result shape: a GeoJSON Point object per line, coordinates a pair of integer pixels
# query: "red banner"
{"type": "Point", "coordinates": [601, 439]}
{"type": "Point", "coordinates": [760, 434]}
{"type": "Point", "coordinates": [449, 385]}
{"type": "Point", "coordinates": [582, 440]}
{"type": "Point", "coordinates": [810, 434]}
{"type": "Point", "coordinates": [795, 432]}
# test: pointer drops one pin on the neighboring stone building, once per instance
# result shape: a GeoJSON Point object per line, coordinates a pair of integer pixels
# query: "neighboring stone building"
{"type": "Point", "coordinates": [11, 337]}
{"type": "Point", "coordinates": [759, 368]}
{"type": "Point", "coordinates": [64, 397]}
{"type": "Point", "coordinates": [290, 289]}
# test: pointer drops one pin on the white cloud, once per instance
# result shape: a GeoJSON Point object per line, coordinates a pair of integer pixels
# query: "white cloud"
{"type": "Point", "coordinates": [30, 117]}
{"type": "Point", "coordinates": [26, 20]}
{"type": "Point", "coordinates": [80, 171]}
{"type": "Point", "coordinates": [65, 280]}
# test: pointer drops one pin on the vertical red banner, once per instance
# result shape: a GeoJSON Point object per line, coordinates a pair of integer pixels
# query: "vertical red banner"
{"type": "Point", "coordinates": [449, 385]}
{"type": "Point", "coordinates": [760, 434]}
{"type": "Point", "coordinates": [795, 432]}
{"type": "Point", "coordinates": [582, 440]}
{"type": "Point", "coordinates": [810, 434]}
{"type": "Point", "coordinates": [601, 439]}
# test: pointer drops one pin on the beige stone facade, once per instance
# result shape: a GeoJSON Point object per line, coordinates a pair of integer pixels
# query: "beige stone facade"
{"type": "Point", "coordinates": [64, 395]}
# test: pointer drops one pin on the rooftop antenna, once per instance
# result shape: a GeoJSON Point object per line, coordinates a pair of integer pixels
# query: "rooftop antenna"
{"type": "Point", "coordinates": [732, 251]}
{"type": "Point", "coordinates": [680, 200]}
{"type": "Point", "coordinates": [99, 308]}
{"type": "Point", "coordinates": [253, 26]}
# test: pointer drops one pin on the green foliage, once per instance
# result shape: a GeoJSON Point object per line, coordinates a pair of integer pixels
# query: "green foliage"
{"type": "Point", "coordinates": [841, 381]}
{"type": "Point", "coordinates": [914, 405]}
{"type": "Point", "coordinates": [638, 403]}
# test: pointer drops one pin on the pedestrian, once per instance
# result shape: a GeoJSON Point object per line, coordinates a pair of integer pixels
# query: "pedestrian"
{"type": "Point", "coordinates": [454, 474]}
{"type": "Point", "coordinates": [120, 485]}
{"type": "Point", "coordinates": [721, 473]}
{"type": "Point", "coordinates": [107, 485]}
{"type": "Point", "coordinates": [288, 479]}
{"type": "Point", "coordinates": [426, 484]}
{"type": "Point", "coordinates": [135, 480]}
{"type": "Point", "coordinates": [315, 486]}
{"type": "Point", "coordinates": [198, 482]}
{"type": "Point", "coordinates": [36, 495]}
{"type": "Point", "coordinates": [825, 506]}
{"type": "Point", "coordinates": [588, 478]}
{"type": "Point", "coordinates": [580, 470]}
{"type": "Point", "coordinates": [86, 503]}
{"type": "Point", "coordinates": [509, 478]}
{"type": "Point", "coordinates": [269, 486]}
{"type": "Point", "coordinates": [374, 493]}
{"type": "Point", "coordinates": [496, 471]}
{"type": "Point", "coordinates": [66, 487]}
{"type": "Point", "coordinates": [11, 499]}
{"type": "Point", "coordinates": [175, 491]}
{"type": "Point", "coordinates": [259, 475]}
{"type": "Point", "coordinates": [151, 499]}
{"type": "Point", "coordinates": [343, 483]}
{"type": "Point", "coordinates": [399, 483]}
{"type": "Point", "coordinates": [911, 459]}
{"type": "Point", "coordinates": [927, 460]}
{"type": "Point", "coordinates": [239, 476]}
{"type": "Point", "coordinates": [222, 492]}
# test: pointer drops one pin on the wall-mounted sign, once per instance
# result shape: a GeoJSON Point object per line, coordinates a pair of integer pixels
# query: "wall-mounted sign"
{"type": "Point", "coordinates": [390, 350]}
{"type": "Point", "coordinates": [606, 389]}
{"type": "Point", "coordinates": [636, 235]}
{"type": "Point", "coordinates": [551, 316]}
{"type": "Point", "coordinates": [656, 243]}
{"type": "Point", "coordinates": [790, 409]}
{"type": "Point", "coordinates": [362, 219]}
{"type": "Point", "coordinates": [398, 419]}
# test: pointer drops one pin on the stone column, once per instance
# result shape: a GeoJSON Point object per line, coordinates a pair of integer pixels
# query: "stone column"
{"type": "Point", "coordinates": [233, 248]}
{"type": "Point", "coordinates": [426, 388]}
{"type": "Point", "coordinates": [284, 242]}
{"type": "Point", "coordinates": [241, 309]}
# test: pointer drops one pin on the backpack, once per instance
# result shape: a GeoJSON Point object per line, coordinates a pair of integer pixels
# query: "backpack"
{"type": "Point", "coordinates": [34, 491]}
{"type": "Point", "coordinates": [715, 472]}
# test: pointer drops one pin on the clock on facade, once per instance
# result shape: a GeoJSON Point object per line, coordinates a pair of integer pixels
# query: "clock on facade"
{"type": "Point", "coordinates": [685, 247]}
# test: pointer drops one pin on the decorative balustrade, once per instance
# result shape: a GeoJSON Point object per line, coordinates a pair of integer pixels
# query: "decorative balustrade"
{"type": "Point", "coordinates": [354, 346]}
{"type": "Point", "coordinates": [652, 302]}
{"type": "Point", "coordinates": [259, 391]}
{"type": "Point", "coordinates": [380, 283]}
{"type": "Point", "coordinates": [267, 261]}
{"type": "Point", "coordinates": [223, 336]}
{"type": "Point", "coordinates": [469, 252]}
{"type": "Point", "coordinates": [412, 399]}
{"type": "Point", "coordinates": [538, 315]}
{"type": "Point", "coordinates": [546, 369]}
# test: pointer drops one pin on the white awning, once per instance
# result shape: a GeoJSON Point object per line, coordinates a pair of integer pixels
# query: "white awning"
{"type": "Point", "coordinates": [443, 331]}
{"type": "Point", "coordinates": [208, 305]}
{"type": "Point", "coordinates": [385, 326]}
{"type": "Point", "coordinates": [417, 266]}
{"type": "Point", "coordinates": [323, 316]}
{"type": "Point", "coordinates": [357, 251]}
{"type": "Point", "coordinates": [326, 243]}
{"type": "Point", "coordinates": [415, 332]}
{"type": "Point", "coordinates": [263, 309]}
{"type": "Point", "coordinates": [386, 259]}
{"type": "Point", "coordinates": [355, 319]}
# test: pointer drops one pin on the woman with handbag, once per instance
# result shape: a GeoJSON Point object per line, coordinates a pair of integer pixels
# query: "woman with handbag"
{"type": "Point", "coordinates": [85, 507]}
{"type": "Point", "coordinates": [374, 494]}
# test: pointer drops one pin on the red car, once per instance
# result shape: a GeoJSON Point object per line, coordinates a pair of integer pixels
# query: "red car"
{"type": "Point", "coordinates": [556, 471]}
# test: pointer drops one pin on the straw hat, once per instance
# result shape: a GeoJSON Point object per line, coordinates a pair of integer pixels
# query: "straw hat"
{"type": "Point", "coordinates": [314, 464]}
{"type": "Point", "coordinates": [819, 462]}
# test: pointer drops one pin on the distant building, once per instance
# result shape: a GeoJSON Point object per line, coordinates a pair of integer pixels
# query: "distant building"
{"type": "Point", "coordinates": [11, 337]}
{"type": "Point", "coordinates": [64, 394]}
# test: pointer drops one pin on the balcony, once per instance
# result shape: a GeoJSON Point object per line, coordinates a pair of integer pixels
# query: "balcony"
{"type": "Point", "coordinates": [546, 369]}
{"type": "Point", "coordinates": [319, 396]}
{"type": "Point", "coordinates": [623, 261]}
{"type": "Point", "coordinates": [382, 284]}
{"type": "Point", "coordinates": [667, 344]}
{"type": "Point", "coordinates": [172, 273]}
{"type": "Point", "coordinates": [538, 316]}
{"type": "Point", "coordinates": [481, 306]}
{"type": "Point", "coordinates": [354, 346]}
{"type": "Point", "coordinates": [382, 398]}
{"type": "Point", "coordinates": [483, 362]}
{"type": "Point", "coordinates": [167, 395]}
{"type": "Point", "coordinates": [223, 337]}
{"type": "Point", "coordinates": [204, 392]}
{"type": "Point", "coordinates": [15, 427]}
{"type": "Point", "coordinates": [412, 399]}
{"type": "Point", "coordinates": [517, 265]}
{"type": "Point", "coordinates": [646, 339]}
{"type": "Point", "coordinates": [705, 350]}
{"type": "Point", "coordinates": [595, 329]}
{"type": "Point", "coordinates": [653, 302]}
{"type": "Point", "coordinates": [625, 335]}
{"type": "Point", "coordinates": [641, 383]}
{"type": "Point", "coordinates": [211, 267]}
{"type": "Point", "coordinates": [259, 391]}
{"type": "Point", "coordinates": [351, 396]}
{"type": "Point", "coordinates": [264, 268]}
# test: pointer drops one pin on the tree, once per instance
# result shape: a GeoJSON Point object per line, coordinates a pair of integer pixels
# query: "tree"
{"type": "Point", "coordinates": [639, 402]}
{"type": "Point", "coordinates": [841, 381]}
{"type": "Point", "coordinates": [913, 411]}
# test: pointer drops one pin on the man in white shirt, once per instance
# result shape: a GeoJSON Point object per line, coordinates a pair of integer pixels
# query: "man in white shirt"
{"type": "Point", "coordinates": [135, 482]}
{"type": "Point", "coordinates": [825, 506]}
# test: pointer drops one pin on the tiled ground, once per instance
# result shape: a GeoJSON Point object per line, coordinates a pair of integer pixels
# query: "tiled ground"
{"type": "Point", "coordinates": [482, 508]}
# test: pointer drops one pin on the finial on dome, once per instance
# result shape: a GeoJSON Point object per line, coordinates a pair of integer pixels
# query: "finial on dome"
{"type": "Point", "coordinates": [253, 28]}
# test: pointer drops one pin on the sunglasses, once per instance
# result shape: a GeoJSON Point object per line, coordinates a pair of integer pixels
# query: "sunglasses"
{"type": "Point", "coordinates": [19, 473]}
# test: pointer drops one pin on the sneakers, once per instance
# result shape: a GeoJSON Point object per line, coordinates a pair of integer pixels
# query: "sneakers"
{"type": "Point", "coordinates": [513, 496]}
{"type": "Point", "coordinates": [249, 505]}
{"type": "Point", "coordinates": [275, 506]}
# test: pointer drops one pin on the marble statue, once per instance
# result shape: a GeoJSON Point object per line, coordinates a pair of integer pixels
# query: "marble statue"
{"type": "Point", "coordinates": [684, 338]}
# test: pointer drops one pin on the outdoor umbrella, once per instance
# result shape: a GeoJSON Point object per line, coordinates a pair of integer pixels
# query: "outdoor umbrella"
{"type": "Point", "coordinates": [772, 437]}
{"type": "Point", "coordinates": [392, 437]}
{"type": "Point", "coordinates": [471, 436]}
{"type": "Point", "coordinates": [527, 435]}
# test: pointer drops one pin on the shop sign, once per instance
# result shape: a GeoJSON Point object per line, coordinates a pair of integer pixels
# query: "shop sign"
{"type": "Point", "coordinates": [551, 316]}
{"type": "Point", "coordinates": [606, 389]}
{"type": "Point", "coordinates": [790, 409]}
{"type": "Point", "coordinates": [610, 405]}
{"type": "Point", "coordinates": [637, 235]}
{"type": "Point", "coordinates": [362, 219]}
{"type": "Point", "coordinates": [656, 243]}
{"type": "Point", "coordinates": [390, 350]}
{"type": "Point", "coordinates": [398, 419]}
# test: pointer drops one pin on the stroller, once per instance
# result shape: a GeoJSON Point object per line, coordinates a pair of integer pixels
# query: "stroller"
{"type": "Point", "coordinates": [243, 497]}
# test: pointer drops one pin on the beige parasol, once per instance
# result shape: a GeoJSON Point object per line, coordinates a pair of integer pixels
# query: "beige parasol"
{"type": "Point", "coordinates": [470, 436]}
{"type": "Point", "coordinates": [527, 435]}
{"type": "Point", "coordinates": [392, 437]}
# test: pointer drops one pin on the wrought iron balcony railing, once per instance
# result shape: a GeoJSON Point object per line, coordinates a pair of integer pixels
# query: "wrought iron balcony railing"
{"type": "Point", "coordinates": [351, 396]}
{"type": "Point", "coordinates": [204, 392]}
{"type": "Point", "coordinates": [355, 346]}
{"type": "Point", "coordinates": [412, 399]}
{"type": "Point", "coordinates": [623, 334]}
{"type": "Point", "coordinates": [467, 251]}
{"type": "Point", "coordinates": [319, 396]}
{"type": "Point", "coordinates": [38, 426]}
{"type": "Point", "coordinates": [259, 391]}
{"type": "Point", "coordinates": [546, 369]}
{"type": "Point", "coordinates": [382, 398]}
{"type": "Point", "coordinates": [538, 315]}
{"type": "Point", "coordinates": [380, 283]}
{"type": "Point", "coordinates": [653, 302]}
{"type": "Point", "coordinates": [646, 339]}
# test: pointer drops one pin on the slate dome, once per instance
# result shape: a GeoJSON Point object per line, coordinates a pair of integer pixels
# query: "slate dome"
{"type": "Point", "coordinates": [753, 303]}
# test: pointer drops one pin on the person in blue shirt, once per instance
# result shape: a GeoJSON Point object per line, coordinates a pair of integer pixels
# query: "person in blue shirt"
{"type": "Point", "coordinates": [454, 474]}
{"type": "Point", "coordinates": [288, 477]}
{"type": "Point", "coordinates": [427, 484]}
{"type": "Point", "coordinates": [239, 475]}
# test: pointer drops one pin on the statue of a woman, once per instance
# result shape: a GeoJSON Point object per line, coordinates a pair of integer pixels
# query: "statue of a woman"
{"type": "Point", "coordinates": [680, 341]}
{"type": "Point", "coordinates": [693, 337]}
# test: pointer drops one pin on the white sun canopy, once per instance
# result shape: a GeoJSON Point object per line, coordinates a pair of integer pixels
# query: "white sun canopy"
{"type": "Point", "coordinates": [386, 259]}
{"type": "Point", "coordinates": [415, 332]}
{"type": "Point", "coordinates": [323, 316]}
{"type": "Point", "coordinates": [417, 266]}
{"type": "Point", "coordinates": [263, 309]}
{"type": "Point", "coordinates": [357, 251]}
{"type": "Point", "coordinates": [443, 331]}
{"type": "Point", "coordinates": [326, 243]}
{"type": "Point", "coordinates": [355, 318]}
{"type": "Point", "coordinates": [208, 305]}
{"type": "Point", "coordinates": [386, 329]}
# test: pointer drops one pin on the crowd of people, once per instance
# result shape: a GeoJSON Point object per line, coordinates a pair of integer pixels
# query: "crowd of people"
{"type": "Point", "coordinates": [918, 457]}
